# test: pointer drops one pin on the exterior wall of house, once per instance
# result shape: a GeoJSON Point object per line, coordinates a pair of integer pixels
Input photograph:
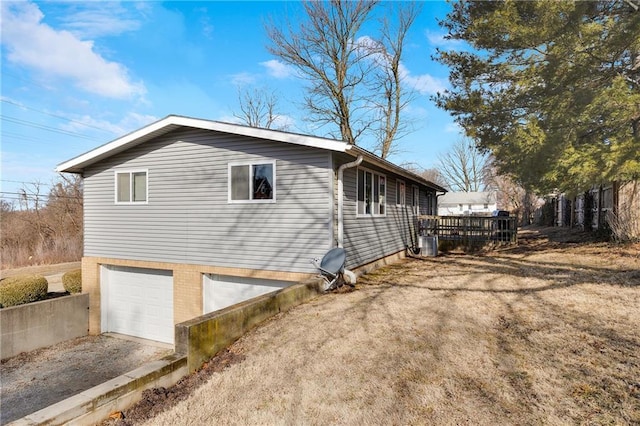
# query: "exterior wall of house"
{"type": "Point", "coordinates": [370, 238]}
{"type": "Point", "coordinates": [188, 219]}
{"type": "Point", "coordinates": [188, 226]}
{"type": "Point", "coordinates": [187, 284]}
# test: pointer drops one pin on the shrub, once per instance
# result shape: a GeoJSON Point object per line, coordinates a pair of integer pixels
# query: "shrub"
{"type": "Point", "coordinates": [72, 281]}
{"type": "Point", "coordinates": [22, 289]}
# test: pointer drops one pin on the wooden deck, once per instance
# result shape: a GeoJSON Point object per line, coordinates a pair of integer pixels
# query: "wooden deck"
{"type": "Point", "coordinates": [470, 229]}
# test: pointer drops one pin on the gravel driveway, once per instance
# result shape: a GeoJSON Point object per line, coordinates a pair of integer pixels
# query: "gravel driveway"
{"type": "Point", "coordinates": [34, 380]}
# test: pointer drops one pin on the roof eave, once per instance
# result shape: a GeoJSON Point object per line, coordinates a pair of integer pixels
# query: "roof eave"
{"type": "Point", "coordinates": [380, 162]}
{"type": "Point", "coordinates": [172, 122]}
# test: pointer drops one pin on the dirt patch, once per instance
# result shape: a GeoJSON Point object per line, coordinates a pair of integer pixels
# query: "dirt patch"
{"type": "Point", "coordinates": [544, 333]}
{"type": "Point", "coordinates": [34, 380]}
{"type": "Point", "coordinates": [156, 400]}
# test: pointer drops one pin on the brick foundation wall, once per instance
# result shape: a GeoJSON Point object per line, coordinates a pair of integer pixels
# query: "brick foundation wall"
{"type": "Point", "coordinates": [187, 284]}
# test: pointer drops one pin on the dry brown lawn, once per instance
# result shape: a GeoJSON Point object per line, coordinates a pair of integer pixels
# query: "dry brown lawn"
{"type": "Point", "coordinates": [545, 333]}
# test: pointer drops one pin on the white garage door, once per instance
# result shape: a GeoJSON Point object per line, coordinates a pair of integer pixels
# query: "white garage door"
{"type": "Point", "coordinates": [137, 302]}
{"type": "Point", "coordinates": [221, 291]}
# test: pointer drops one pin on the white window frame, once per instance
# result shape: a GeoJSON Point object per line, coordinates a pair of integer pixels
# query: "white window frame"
{"type": "Point", "coordinates": [130, 172]}
{"type": "Point", "coordinates": [382, 198]}
{"type": "Point", "coordinates": [251, 164]}
{"type": "Point", "coordinates": [401, 193]}
{"type": "Point", "coordinates": [415, 199]}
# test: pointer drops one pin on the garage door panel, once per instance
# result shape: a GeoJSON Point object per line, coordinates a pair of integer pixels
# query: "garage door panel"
{"type": "Point", "coordinates": [221, 291]}
{"type": "Point", "coordinates": [138, 302]}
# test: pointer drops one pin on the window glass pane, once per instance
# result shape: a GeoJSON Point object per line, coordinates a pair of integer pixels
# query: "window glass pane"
{"type": "Point", "coordinates": [124, 187]}
{"type": "Point", "coordinates": [367, 192]}
{"type": "Point", "coordinates": [360, 192]}
{"type": "Point", "coordinates": [383, 193]}
{"type": "Point", "coordinates": [400, 194]}
{"type": "Point", "coordinates": [263, 182]}
{"type": "Point", "coordinates": [140, 186]}
{"type": "Point", "coordinates": [239, 182]}
{"type": "Point", "coordinates": [376, 189]}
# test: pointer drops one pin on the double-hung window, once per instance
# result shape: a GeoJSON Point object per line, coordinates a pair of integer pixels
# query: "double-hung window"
{"type": "Point", "coordinates": [131, 187]}
{"type": "Point", "coordinates": [415, 200]}
{"type": "Point", "coordinates": [372, 193]}
{"type": "Point", "coordinates": [252, 182]}
{"type": "Point", "coordinates": [400, 193]}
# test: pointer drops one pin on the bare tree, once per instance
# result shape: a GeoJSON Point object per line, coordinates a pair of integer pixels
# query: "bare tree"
{"type": "Point", "coordinates": [511, 196]}
{"type": "Point", "coordinates": [464, 167]}
{"type": "Point", "coordinates": [44, 229]}
{"type": "Point", "coordinates": [434, 176]}
{"type": "Point", "coordinates": [388, 79]}
{"type": "Point", "coordinates": [258, 108]}
{"type": "Point", "coordinates": [324, 52]}
{"type": "Point", "coordinates": [355, 82]}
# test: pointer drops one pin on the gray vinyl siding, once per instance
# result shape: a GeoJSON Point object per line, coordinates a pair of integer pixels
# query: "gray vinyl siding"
{"type": "Point", "coordinates": [367, 239]}
{"type": "Point", "coordinates": [188, 218]}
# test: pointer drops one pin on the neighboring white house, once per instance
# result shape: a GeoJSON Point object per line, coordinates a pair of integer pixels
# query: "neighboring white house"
{"type": "Point", "coordinates": [467, 203]}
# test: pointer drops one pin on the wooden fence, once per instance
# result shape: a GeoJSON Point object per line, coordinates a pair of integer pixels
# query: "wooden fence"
{"type": "Point", "coordinates": [470, 230]}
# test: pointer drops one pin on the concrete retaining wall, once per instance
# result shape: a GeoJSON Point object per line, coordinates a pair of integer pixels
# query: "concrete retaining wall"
{"type": "Point", "coordinates": [94, 405]}
{"type": "Point", "coordinates": [197, 341]}
{"type": "Point", "coordinates": [203, 337]}
{"type": "Point", "coordinates": [45, 323]}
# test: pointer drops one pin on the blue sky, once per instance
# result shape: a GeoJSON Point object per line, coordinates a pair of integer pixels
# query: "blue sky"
{"type": "Point", "coordinates": [76, 75]}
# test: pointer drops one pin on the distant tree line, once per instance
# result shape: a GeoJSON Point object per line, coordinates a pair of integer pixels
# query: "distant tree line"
{"type": "Point", "coordinates": [41, 227]}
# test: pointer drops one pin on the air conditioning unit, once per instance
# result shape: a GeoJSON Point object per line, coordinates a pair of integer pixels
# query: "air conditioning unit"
{"type": "Point", "coordinates": [428, 245]}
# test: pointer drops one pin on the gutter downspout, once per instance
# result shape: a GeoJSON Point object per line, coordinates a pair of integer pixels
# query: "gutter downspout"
{"type": "Point", "coordinates": [341, 170]}
{"type": "Point", "coordinates": [437, 196]}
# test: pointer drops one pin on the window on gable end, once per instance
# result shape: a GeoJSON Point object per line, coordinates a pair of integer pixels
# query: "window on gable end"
{"type": "Point", "coordinates": [131, 186]}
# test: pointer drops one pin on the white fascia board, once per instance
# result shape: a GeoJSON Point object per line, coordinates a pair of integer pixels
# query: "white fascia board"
{"type": "Point", "coordinates": [268, 134]}
{"type": "Point", "coordinates": [387, 165]}
{"type": "Point", "coordinates": [76, 164]}
{"type": "Point", "coordinates": [171, 122]}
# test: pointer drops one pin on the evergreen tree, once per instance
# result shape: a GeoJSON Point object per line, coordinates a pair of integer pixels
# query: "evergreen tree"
{"type": "Point", "coordinates": [551, 89]}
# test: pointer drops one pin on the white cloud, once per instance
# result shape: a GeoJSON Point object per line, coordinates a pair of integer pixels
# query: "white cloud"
{"type": "Point", "coordinates": [130, 122]}
{"type": "Point", "coordinates": [243, 79]}
{"type": "Point", "coordinates": [284, 122]}
{"type": "Point", "coordinates": [229, 119]}
{"type": "Point", "coordinates": [31, 43]}
{"type": "Point", "coordinates": [453, 128]}
{"type": "Point", "coordinates": [424, 84]}
{"type": "Point", "coordinates": [98, 19]}
{"type": "Point", "coordinates": [205, 22]}
{"type": "Point", "coordinates": [277, 69]}
{"type": "Point", "coordinates": [438, 39]}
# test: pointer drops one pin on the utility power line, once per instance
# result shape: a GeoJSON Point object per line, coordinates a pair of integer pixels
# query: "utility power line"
{"type": "Point", "coordinates": [23, 195]}
{"type": "Point", "coordinates": [44, 127]}
{"type": "Point", "coordinates": [55, 115]}
{"type": "Point", "coordinates": [25, 182]}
